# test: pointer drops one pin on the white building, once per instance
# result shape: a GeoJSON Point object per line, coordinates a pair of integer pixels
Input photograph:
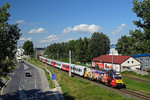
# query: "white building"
{"type": "Point", "coordinates": [116, 62]}
{"type": "Point", "coordinates": [20, 52]}
{"type": "Point", "coordinates": [113, 51]}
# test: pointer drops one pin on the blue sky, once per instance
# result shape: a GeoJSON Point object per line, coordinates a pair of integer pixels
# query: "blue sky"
{"type": "Point", "coordinates": [48, 21]}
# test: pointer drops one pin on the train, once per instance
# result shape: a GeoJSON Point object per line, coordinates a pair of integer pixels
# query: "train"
{"type": "Point", "coordinates": [107, 77]}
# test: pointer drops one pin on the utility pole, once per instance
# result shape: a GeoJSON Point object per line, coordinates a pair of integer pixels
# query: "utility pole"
{"type": "Point", "coordinates": [35, 53]}
{"type": "Point", "coordinates": [112, 59]}
{"type": "Point", "coordinates": [70, 63]}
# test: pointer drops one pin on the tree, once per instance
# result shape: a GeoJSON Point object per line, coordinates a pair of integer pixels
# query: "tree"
{"type": "Point", "coordinates": [124, 45]}
{"type": "Point", "coordinates": [79, 50]}
{"type": "Point", "coordinates": [28, 47]}
{"type": "Point", "coordinates": [139, 40]}
{"type": "Point", "coordinates": [99, 44]}
{"type": "Point", "coordinates": [9, 35]}
{"type": "Point", "coordinates": [142, 10]}
{"type": "Point", "coordinates": [86, 50]}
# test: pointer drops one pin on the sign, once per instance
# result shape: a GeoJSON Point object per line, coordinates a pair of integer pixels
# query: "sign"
{"type": "Point", "coordinates": [53, 76]}
{"type": "Point", "coordinates": [101, 65]}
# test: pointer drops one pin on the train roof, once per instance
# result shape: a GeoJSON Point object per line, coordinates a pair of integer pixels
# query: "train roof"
{"type": "Point", "coordinates": [79, 66]}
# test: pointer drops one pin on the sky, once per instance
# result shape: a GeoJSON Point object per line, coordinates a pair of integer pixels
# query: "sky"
{"type": "Point", "coordinates": [52, 21]}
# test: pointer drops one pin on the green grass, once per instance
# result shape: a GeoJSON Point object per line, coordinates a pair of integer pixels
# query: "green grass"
{"type": "Point", "coordinates": [133, 74]}
{"type": "Point", "coordinates": [5, 77]}
{"type": "Point", "coordinates": [137, 86]}
{"type": "Point", "coordinates": [76, 89]}
{"type": "Point", "coordinates": [39, 64]}
{"type": "Point", "coordinates": [49, 79]}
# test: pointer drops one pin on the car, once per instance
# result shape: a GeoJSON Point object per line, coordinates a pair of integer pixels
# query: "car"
{"type": "Point", "coordinates": [22, 61]}
{"type": "Point", "coordinates": [27, 74]}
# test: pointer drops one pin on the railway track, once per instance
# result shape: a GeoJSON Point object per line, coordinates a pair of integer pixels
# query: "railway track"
{"type": "Point", "coordinates": [142, 96]}
{"type": "Point", "coordinates": [146, 81]}
{"type": "Point", "coordinates": [132, 93]}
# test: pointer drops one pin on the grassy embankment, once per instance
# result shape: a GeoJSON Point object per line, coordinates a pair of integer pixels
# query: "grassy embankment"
{"type": "Point", "coordinates": [137, 85]}
{"type": "Point", "coordinates": [39, 64]}
{"type": "Point", "coordinates": [133, 74]}
{"type": "Point", "coordinates": [76, 89]}
{"type": "Point", "coordinates": [1, 83]}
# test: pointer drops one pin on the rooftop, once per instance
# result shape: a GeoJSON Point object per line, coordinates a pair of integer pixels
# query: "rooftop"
{"type": "Point", "coordinates": [141, 55]}
{"type": "Point", "coordinates": [117, 59]}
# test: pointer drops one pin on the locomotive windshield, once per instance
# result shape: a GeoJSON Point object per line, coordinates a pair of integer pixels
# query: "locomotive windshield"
{"type": "Point", "coordinates": [117, 76]}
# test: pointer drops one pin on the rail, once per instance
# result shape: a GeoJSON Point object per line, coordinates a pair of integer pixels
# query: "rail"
{"type": "Point", "coordinates": [137, 94]}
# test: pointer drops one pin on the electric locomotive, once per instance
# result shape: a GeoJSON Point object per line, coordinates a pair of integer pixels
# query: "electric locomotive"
{"type": "Point", "coordinates": [107, 77]}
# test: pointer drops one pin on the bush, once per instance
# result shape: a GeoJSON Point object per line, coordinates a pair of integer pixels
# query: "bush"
{"type": "Point", "coordinates": [148, 70]}
{"type": "Point", "coordinates": [134, 74]}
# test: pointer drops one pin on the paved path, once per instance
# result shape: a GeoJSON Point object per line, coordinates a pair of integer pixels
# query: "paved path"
{"type": "Point", "coordinates": [21, 87]}
{"type": "Point", "coordinates": [57, 90]}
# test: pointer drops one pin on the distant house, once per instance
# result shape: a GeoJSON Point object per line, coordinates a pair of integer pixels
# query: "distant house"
{"type": "Point", "coordinates": [113, 51]}
{"type": "Point", "coordinates": [20, 52]}
{"type": "Point", "coordinates": [144, 59]}
{"type": "Point", "coordinates": [116, 62]}
{"type": "Point", "coordinates": [40, 51]}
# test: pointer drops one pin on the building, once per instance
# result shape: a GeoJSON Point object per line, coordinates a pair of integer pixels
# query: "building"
{"type": "Point", "coordinates": [144, 59]}
{"type": "Point", "coordinates": [20, 52]}
{"type": "Point", "coordinates": [40, 51]}
{"type": "Point", "coordinates": [116, 62]}
{"type": "Point", "coordinates": [113, 51]}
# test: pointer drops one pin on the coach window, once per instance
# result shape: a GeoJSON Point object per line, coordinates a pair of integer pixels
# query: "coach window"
{"type": "Point", "coordinates": [132, 61]}
{"type": "Point", "coordinates": [79, 70]}
{"type": "Point", "coordinates": [146, 60]}
{"type": "Point", "coordinates": [128, 61]}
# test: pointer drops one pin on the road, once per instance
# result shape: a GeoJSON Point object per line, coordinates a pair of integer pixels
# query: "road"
{"type": "Point", "coordinates": [21, 87]}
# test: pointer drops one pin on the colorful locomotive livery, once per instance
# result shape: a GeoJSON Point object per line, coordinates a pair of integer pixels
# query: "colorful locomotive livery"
{"type": "Point", "coordinates": [107, 77]}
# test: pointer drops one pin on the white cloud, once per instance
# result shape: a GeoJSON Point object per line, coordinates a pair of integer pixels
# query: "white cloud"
{"type": "Point", "coordinates": [67, 40]}
{"type": "Point", "coordinates": [20, 21]}
{"type": "Point", "coordinates": [30, 39]}
{"type": "Point", "coordinates": [119, 29]}
{"type": "Point", "coordinates": [82, 28]}
{"type": "Point", "coordinates": [22, 39]}
{"type": "Point", "coordinates": [25, 39]}
{"type": "Point", "coordinates": [50, 38]}
{"type": "Point", "coordinates": [39, 30]}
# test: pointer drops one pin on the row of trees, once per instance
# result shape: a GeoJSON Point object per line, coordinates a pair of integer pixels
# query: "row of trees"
{"type": "Point", "coordinates": [28, 48]}
{"type": "Point", "coordinates": [83, 50]}
{"type": "Point", "coordinates": [9, 34]}
{"type": "Point", "coordinates": [139, 40]}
